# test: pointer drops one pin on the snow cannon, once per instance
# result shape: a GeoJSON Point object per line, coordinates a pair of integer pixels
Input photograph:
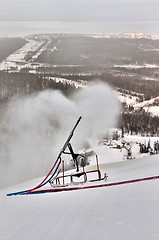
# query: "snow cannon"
{"type": "Point", "coordinates": [56, 166]}
{"type": "Point", "coordinates": [59, 179]}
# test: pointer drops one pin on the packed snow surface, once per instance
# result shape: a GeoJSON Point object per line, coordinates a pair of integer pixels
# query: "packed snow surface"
{"type": "Point", "coordinates": [124, 212]}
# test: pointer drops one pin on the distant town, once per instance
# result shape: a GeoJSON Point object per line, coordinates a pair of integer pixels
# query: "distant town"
{"type": "Point", "coordinates": [131, 35]}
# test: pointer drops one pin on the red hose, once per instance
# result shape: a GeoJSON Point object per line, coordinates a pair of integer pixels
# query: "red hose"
{"type": "Point", "coordinates": [44, 178]}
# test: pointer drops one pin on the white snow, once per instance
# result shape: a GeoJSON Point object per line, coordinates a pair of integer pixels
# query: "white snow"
{"type": "Point", "coordinates": [77, 84]}
{"type": "Point", "coordinates": [125, 212]}
{"type": "Point", "coordinates": [148, 106]}
{"type": "Point", "coordinates": [150, 78]}
{"type": "Point", "coordinates": [130, 100]}
{"type": "Point", "coordinates": [41, 50]}
{"type": "Point", "coordinates": [148, 102]}
{"type": "Point", "coordinates": [16, 59]}
{"type": "Point", "coordinates": [135, 66]}
{"type": "Point", "coordinates": [154, 110]}
{"type": "Point", "coordinates": [140, 139]}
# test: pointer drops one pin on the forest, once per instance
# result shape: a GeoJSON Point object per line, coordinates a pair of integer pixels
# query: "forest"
{"type": "Point", "coordinates": [80, 50]}
{"type": "Point", "coordinates": [140, 122]}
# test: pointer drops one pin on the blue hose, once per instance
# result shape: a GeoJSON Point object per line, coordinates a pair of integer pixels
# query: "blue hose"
{"type": "Point", "coordinates": [26, 191]}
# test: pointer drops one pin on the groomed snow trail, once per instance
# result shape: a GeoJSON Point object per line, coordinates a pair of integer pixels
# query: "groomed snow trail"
{"type": "Point", "coordinates": [124, 212]}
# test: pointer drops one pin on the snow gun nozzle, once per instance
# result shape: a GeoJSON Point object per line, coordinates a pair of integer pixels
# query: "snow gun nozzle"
{"type": "Point", "coordinates": [76, 124]}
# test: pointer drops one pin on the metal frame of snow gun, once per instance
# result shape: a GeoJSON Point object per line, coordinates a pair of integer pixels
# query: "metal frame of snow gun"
{"type": "Point", "coordinates": [59, 181]}
{"type": "Point", "coordinates": [77, 175]}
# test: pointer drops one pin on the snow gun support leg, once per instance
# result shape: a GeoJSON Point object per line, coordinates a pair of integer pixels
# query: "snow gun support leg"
{"type": "Point", "coordinates": [74, 156]}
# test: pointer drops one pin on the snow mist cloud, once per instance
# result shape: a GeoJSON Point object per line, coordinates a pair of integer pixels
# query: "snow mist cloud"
{"type": "Point", "coordinates": [34, 129]}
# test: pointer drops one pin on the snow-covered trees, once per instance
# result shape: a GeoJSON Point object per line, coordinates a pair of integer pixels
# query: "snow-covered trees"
{"type": "Point", "coordinates": [140, 122]}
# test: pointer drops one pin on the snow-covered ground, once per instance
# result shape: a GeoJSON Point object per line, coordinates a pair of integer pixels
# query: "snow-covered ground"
{"type": "Point", "coordinates": [135, 66]}
{"type": "Point", "coordinates": [16, 60]}
{"type": "Point", "coordinates": [148, 105]}
{"type": "Point", "coordinates": [149, 78]}
{"type": "Point", "coordinates": [124, 212]}
{"type": "Point", "coordinates": [130, 100]}
{"type": "Point", "coordinates": [154, 110]}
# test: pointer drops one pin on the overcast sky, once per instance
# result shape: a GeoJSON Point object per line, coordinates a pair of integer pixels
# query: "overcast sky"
{"type": "Point", "coordinates": [79, 10]}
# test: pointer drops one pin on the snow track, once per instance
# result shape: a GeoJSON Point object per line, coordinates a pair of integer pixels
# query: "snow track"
{"type": "Point", "coordinates": [118, 210]}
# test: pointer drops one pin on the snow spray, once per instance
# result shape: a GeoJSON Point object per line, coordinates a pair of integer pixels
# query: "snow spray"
{"type": "Point", "coordinates": [34, 128]}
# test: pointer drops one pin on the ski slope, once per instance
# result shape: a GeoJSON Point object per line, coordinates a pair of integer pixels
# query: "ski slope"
{"type": "Point", "coordinates": [120, 212]}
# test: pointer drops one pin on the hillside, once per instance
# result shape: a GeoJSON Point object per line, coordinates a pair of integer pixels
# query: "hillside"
{"type": "Point", "coordinates": [127, 211]}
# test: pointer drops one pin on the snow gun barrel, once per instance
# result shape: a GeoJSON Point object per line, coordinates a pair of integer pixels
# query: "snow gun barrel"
{"type": "Point", "coordinates": [69, 137]}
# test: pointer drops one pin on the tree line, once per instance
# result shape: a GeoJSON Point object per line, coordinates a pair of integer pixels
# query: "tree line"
{"type": "Point", "coordinates": [19, 84]}
{"type": "Point", "coordinates": [139, 122]}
